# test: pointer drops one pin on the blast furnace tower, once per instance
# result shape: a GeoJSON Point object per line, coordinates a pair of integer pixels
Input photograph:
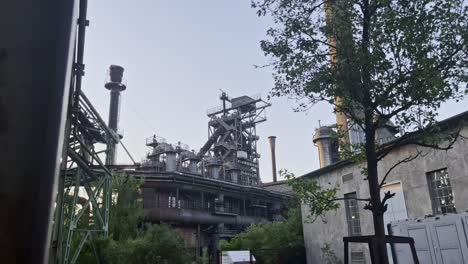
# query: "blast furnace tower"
{"type": "Point", "coordinates": [230, 153]}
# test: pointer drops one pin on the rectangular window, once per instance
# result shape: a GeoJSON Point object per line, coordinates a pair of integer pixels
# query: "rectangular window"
{"type": "Point", "coordinates": [352, 214]}
{"type": "Point", "coordinates": [441, 192]}
{"type": "Point", "coordinates": [356, 136]}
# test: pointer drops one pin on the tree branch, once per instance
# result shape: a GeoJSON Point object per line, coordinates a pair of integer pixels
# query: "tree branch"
{"type": "Point", "coordinates": [405, 160]}
{"type": "Point", "coordinates": [435, 146]}
{"type": "Point", "coordinates": [417, 138]}
{"type": "Point", "coordinates": [387, 196]}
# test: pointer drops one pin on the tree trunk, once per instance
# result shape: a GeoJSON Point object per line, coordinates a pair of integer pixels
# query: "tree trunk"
{"type": "Point", "coordinates": [379, 248]}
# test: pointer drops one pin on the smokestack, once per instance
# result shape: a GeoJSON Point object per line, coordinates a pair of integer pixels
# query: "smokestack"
{"type": "Point", "coordinates": [341, 118]}
{"type": "Point", "coordinates": [272, 140]}
{"type": "Point", "coordinates": [115, 86]}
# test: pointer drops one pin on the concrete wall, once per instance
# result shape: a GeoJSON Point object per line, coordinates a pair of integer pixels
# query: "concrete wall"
{"type": "Point", "coordinates": [333, 226]}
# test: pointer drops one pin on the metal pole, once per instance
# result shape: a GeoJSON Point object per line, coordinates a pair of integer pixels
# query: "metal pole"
{"type": "Point", "coordinates": [272, 140]}
{"type": "Point", "coordinates": [35, 70]}
{"type": "Point", "coordinates": [75, 87]}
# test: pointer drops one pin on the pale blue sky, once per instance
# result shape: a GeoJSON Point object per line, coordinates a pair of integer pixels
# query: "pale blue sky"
{"type": "Point", "coordinates": [177, 54]}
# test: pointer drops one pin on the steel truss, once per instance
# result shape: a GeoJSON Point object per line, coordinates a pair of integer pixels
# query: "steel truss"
{"type": "Point", "coordinates": [232, 133]}
{"type": "Point", "coordinates": [87, 193]}
{"type": "Point", "coordinates": [84, 192]}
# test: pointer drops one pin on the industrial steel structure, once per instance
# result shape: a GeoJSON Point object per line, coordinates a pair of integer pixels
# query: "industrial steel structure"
{"type": "Point", "coordinates": [205, 196]}
{"type": "Point", "coordinates": [211, 194]}
{"type": "Point", "coordinates": [83, 198]}
{"type": "Point", "coordinates": [214, 193]}
{"type": "Point", "coordinates": [231, 148]}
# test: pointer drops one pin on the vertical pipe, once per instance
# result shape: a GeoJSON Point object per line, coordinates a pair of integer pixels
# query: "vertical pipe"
{"type": "Point", "coordinates": [202, 198]}
{"type": "Point", "coordinates": [75, 90]}
{"type": "Point", "coordinates": [244, 208]}
{"type": "Point", "coordinates": [35, 69]}
{"type": "Point", "coordinates": [341, 118]}
{"type": "Point", "coordinates": [114, 106]}
{"type": "Point", "coordinates": [115, 86]}
{"type": "Point", "coordinates": [112, 123]}
{"type": "Point", "coordinates": [272, 140]}
{"type": "Point", "coordinates": [79, 66]}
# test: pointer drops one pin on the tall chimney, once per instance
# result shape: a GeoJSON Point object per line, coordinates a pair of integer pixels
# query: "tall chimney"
{"type": "Point", "coordinates": [272, 140]}
{"type": "Point", "coordinates": [341, 118]}
{"type": "Point", "coordinates": [115, 86]}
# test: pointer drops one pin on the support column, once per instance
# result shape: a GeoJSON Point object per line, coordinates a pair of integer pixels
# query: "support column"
{"type": "Point", "coordinates": [202, 198]}
{"type": "Point", "coordinates": [244, 208]}
{"type": "Point", "coordinates": [198, 243]}
{"type": "Point", "coordinates": [219, 206]}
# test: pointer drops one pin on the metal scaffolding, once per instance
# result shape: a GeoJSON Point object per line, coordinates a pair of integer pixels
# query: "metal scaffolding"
{"type": "Point", "coordinates": [232, 138]}
{"type": "Point", "coordinates": [84, 194]}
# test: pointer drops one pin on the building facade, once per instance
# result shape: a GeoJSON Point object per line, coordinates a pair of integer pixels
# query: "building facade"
{"type": "Point", "coordinates": [434, 183]}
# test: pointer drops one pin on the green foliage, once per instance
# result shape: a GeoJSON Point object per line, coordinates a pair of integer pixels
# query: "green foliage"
{"type": "Point", "coordinates": [125, 207]}
{"type": "Point", "coordinates": [396, 59]}
{"type": "Point", "coordinates": [205, 256]}
{"type": "Point", "coordinates": [309, 192]}
{"type": "Point", "coordinates": [127, 243]}
{"type": "Point", "coordinates": [277, 242]}
{"type": "Point", "coordinates": [153, 244]}
{"type": "Point", "coordinates": [378, 62]}
{"type": "Point", "coordinates": [329, 256]}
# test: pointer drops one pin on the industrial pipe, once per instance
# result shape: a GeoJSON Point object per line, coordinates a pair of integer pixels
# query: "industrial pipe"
{"type": "Point", "coordinates": [272, 140]}
{"type": "Point", "coordinates": [115, 86]}
{"type": "Point", "coordinates": [200, 217]}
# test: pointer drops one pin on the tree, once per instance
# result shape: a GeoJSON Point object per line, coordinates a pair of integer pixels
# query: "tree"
{"type": "Point", "coordinates": [276, 242]}
{"type": "Point", "coordinates": [126, 211]}
{"type": "Point", "coordinates": [130, 239]}
{"type": "Point", "coordinates": [155, 244]}
{"type": "Point", "coordinates": [376, 61]}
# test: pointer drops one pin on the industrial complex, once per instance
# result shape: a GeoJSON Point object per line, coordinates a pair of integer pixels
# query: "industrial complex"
{"type": "Point", "coordinates": [214, 193]}
{"type": "Point", "coordinates": [61, 157]}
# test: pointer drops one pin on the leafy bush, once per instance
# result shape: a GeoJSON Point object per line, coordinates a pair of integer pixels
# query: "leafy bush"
{"type": "Point", "coordinates": [277, 242]}
{"type": "Point", "coordinates": [129, 240]}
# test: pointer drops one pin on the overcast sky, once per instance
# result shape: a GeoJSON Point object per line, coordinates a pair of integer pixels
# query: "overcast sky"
{"type": "Point", "coordinates": [177, 54]}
